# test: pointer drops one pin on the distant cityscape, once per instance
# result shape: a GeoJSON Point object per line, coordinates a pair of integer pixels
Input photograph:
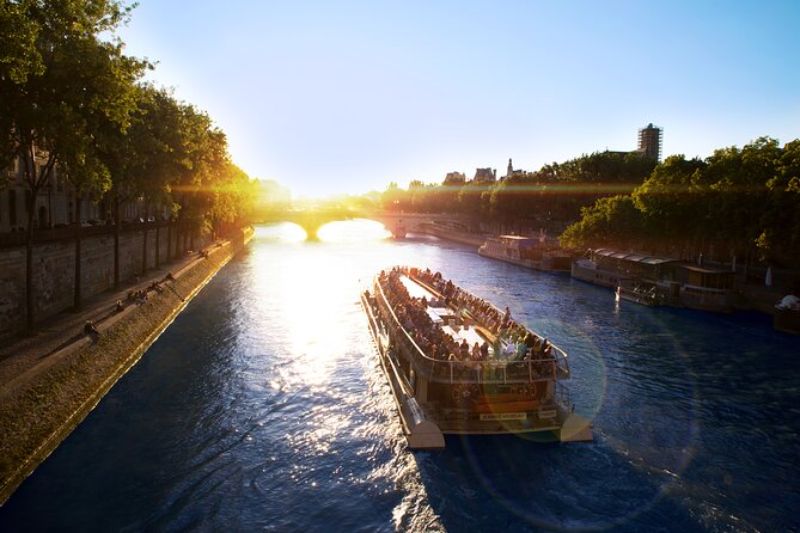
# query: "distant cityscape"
{"type": "Point", "coordinates": [650, 140]}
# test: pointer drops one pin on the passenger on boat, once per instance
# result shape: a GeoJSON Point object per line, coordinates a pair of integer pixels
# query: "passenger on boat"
{"type": "Point", "coordinates": [476, 352]}
{"type": "Point", "coordinates": [464, 349]}
{"type": "Point", "coordinates": [517, 342]}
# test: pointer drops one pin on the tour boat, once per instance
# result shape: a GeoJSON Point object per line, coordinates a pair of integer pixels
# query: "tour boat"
{"type": "Point", "coordinates": [526, 252]}
{"type": "Point", "coordinates": [516, 387]}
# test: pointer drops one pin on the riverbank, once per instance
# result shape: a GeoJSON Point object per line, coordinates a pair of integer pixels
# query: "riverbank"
{"type": "Point", "coordinates": [449, 234]}
{"type": "Point", "coordinates": [749, 297]}
{"type": "Point", "coordinates": [40, 407]}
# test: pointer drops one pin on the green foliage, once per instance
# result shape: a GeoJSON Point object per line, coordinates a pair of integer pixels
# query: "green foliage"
{"type": "Point", "coordinates": [72, 102]}
{"type": "Point", "coordinates": [741, 202]}
{"type": "Point", "coordinates": [551, 197]}
{"type": "Point", "coordinates": [611, 221]}
{"type": "Point", "coordinates": [71, 96]}
{"type": "Point", "coordinates": [63, 82]}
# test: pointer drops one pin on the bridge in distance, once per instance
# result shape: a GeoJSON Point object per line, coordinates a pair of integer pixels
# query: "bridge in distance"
{"type": "Point", "coordinates": [312, 219]}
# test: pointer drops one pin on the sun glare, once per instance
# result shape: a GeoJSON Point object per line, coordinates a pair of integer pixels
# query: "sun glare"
{"type": "Point", "coordinates": [358, 230]}
{"type": "Point", "coordinates": [284, 232]}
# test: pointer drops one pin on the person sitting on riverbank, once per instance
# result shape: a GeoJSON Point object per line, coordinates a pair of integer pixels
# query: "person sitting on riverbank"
{"type": "Point", "coordinates": [90, 330]}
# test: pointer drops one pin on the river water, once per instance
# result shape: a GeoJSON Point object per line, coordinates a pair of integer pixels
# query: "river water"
{"type": "Point", "coordinates": [263, 406]}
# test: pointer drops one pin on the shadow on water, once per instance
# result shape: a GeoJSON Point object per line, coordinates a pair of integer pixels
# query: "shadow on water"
{"type": "Point", "coordinates": [513, 483]}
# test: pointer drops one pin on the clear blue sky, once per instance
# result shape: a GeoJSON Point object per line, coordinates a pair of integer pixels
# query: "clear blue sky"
{"type": "Point", "coordinates": [330, 97]}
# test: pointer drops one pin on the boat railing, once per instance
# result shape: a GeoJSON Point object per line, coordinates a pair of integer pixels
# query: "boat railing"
{"type": "Point", "coordinates": [494, 371]}
{"type": "Point", "coordinates": [561, 361]}
{"type": "Point", "coordinates": [560, 356]}
{"type": "Point", "coordinates": [562, 397]}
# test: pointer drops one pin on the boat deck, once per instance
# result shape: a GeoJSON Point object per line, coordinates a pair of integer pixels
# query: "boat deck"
{"type": "Point", "coordinates": [447, 318]}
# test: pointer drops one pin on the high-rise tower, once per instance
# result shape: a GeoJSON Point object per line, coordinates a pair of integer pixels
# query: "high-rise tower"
{"type": "Point", "coordinates": [650, 141]}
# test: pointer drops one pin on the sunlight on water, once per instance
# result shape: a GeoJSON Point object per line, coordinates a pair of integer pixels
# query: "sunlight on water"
{"type": "Point", "coordinates": [353, 231]}
{"type": "Point", "coordinates": [307, 295]}
{"type": "Point", "coordinates": [284, 232]}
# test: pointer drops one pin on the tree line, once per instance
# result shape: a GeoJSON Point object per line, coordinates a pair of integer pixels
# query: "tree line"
{"type": "Point", "coordinates": [550, 198]}
{"type": "Point", "coordinates": [738, 202]}
{"type": "Point", "coordinates": [72, 103]}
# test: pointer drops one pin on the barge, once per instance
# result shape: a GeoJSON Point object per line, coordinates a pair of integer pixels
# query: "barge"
{"type": "Point", "coordinates": [526, 252]}
{"type": "Point", "coordinates": [458, 365]}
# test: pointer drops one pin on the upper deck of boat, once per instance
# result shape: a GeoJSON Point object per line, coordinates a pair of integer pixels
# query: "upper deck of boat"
{"type": "Point", "coordinates": [460, 324]}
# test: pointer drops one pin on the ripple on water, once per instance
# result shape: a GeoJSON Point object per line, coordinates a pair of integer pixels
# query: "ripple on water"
{"type": "Point", "coordinates": [263, 407]}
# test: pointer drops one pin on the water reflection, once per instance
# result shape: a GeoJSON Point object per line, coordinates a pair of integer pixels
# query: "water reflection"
{"type": "Point", "coordinates": [283, 232]}
{"type": "Point", "coordinates": [359, 230]}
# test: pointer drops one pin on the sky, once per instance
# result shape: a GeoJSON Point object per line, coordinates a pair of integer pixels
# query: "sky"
{"type": "Point", "coordinates": [343, 97]}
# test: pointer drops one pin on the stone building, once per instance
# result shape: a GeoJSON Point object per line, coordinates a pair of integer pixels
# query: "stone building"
{"type": "Point", "coordinates": [54, 205]}
{"type": "Point", "coordinates": [455, 178]}
{"type": "Point", "coordinates": [485, 175]}
{"type": "Point", "coordinates": [510, 172]}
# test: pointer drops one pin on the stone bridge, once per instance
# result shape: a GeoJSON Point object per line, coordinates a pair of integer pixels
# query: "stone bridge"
{"type": "Point", "coordinates": [397, 223]}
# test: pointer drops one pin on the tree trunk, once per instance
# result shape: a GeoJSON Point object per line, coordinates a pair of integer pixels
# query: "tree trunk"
{"type": "Point", "coordinates": [144, 239]}
{"type": "Point", "coordinates": [169, 239]}
{"type": "Point", "coordinates": [177, 238]}
{"type": "Point", "coordinates": [29, 202]}
{"type": "Point", "coordinates": [116, 240]}
{"type": "Point", "coordinates": [77, 297]}
{"type": "Point", "coordinates": [158, 242]}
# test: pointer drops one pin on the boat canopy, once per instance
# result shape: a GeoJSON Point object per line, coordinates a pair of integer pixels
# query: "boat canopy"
{"type": "Point", "coordinates": [633, 257]}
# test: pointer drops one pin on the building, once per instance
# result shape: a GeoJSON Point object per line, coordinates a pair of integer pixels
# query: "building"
{"type": "Point", "coordinates": [455, 178]}
{"type": "Point", "coordinates": [485, 175]}
{"type": "Point", "coordinates": [510, 172]}
{"type": "Point", "coordinates": [650, 141]}
{"type": "Point", "coordinates": [54, 205]}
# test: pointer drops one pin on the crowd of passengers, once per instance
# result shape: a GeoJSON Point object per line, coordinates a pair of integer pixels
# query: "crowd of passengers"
{"type": "Point", "coordinates": [513, 342]}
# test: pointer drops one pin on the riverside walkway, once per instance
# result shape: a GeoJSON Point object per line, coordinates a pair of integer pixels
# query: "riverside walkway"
{"type": "Point", "coordinates": [49, 382]}
{"type": "Point", "coordinates": [23, 358]}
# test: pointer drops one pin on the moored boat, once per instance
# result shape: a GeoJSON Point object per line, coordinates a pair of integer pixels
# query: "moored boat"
{"type": "Point", "coordinates": [458, 365]}
{"type": "Point", "coordinates": [527, 252]}
{"type": "Point", "coordinates": [640, 292]}
{"type": "Point", "coordinates": [786, 317]}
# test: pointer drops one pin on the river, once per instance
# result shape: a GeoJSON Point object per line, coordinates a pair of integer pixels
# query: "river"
{"type": "Point", "coordinates": [263, 406]}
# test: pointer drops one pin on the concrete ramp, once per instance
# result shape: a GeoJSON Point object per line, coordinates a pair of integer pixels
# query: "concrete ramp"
{"type": "Point", "coordinates": [425, 436]}
{"type": "Point", "coordinates": [576, 429]}
{"type": "Point", "coordinates": [421, 433]}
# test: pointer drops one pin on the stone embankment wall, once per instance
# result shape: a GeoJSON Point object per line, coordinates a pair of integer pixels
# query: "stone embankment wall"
{"type": "Point", "coordinates": [54, 273]}
{"type": "Point", "coordinates": [41, 410]}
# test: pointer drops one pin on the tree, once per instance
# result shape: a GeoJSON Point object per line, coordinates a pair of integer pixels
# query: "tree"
{"type": "Point", "coordinates": [53, 108]}
{"type": "Point", "coordinates": [19, 60]}
{"type": "Point", "coordinates": [612, 221]}
{"type": "Point", "coordinates": [672, 198]}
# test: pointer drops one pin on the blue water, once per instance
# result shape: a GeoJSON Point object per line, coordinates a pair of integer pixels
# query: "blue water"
{"type": "Point", "coordinates": [263, 407]}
